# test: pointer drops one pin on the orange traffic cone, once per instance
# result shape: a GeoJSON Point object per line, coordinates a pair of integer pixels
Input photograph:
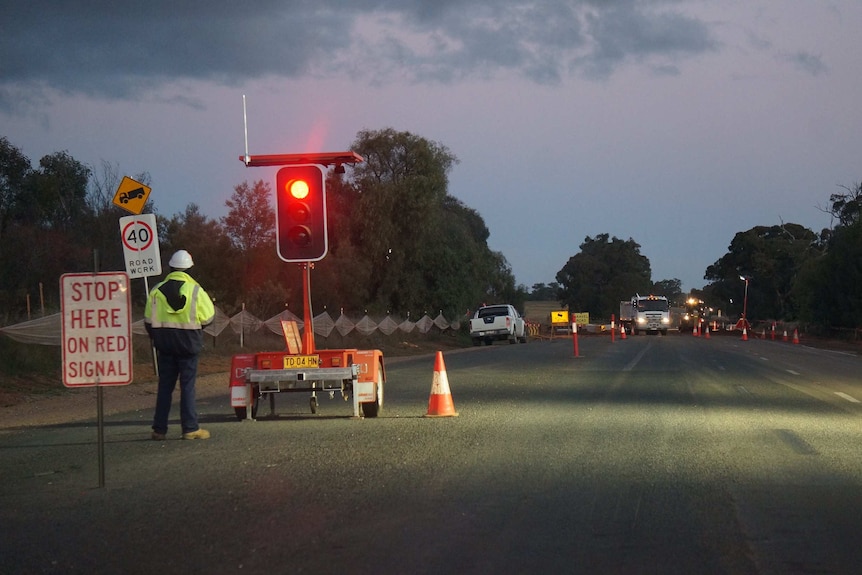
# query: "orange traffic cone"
{"type": "Point", "coordinates": [440, 403]}
{"type": "Point", "coordinates": [795, 336]}
{"type": "Point", "coordinates": [622, 332]}
{"type": "Point", "coordinates": [763, 334]}
{"type": "Point", "coordinates": [744, 334]}
{"type": "Point", "coordinates": [706, 333]}
{"type": "Point", "coordinates": [694, 332]}
{"type": "Point", "coordinates": [784, 337]}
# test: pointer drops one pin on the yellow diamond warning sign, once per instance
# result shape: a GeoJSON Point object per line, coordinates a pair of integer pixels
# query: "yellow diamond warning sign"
{"type": "Point", "coordinates": [131, 195]}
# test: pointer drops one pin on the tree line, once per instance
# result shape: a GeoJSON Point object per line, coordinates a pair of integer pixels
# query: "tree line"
{"type": "Point", "coordinates": [398, 241]}
{"type": "Point", "coordinates": [793, 273]}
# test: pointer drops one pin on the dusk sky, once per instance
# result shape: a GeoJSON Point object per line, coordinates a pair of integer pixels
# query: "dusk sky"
{"type": "Point", "coordinates": [675, 123]}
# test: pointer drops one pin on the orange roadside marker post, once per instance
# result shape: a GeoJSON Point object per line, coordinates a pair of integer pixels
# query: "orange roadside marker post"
{"type": "Point", "coordinates": [440, 404]}
{"type": "Point", "coordinates": [575, 336]}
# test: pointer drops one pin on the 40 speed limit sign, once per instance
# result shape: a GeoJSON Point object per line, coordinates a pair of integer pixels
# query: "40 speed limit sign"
{"type": "Point", "coordinates": [141, 245]}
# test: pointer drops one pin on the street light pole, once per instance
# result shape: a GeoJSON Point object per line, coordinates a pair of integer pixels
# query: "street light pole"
{"type": "Point", "coordinates": [744, 320]}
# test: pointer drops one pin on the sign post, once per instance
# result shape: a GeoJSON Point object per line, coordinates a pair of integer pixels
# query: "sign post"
{"type": "Point", "coordinates": [575, 335]}
{"type": "Point", "coordinates": [559, 320]}
{"type": "Point", "coordinates": [97, 336]}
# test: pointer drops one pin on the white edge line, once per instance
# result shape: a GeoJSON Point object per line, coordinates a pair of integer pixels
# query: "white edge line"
{"type": "Point", "coordinates": [849, 398]}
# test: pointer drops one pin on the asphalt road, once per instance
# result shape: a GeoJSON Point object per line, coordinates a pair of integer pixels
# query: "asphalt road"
{"type": "Point", "coordinates": [651, 455]}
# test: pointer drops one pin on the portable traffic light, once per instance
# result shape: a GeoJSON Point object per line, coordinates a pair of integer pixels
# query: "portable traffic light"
{"type": "Point", "coordinates": [300, 193]}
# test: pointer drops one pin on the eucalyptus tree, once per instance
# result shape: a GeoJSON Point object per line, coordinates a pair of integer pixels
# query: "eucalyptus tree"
{"type": "Point", "coordinates": [399, 193]}
{"type": "Point", "coordinates": [771, 258]}
{"type": "Point", "coordinates": [263, 281]}
{"type": "Point", "coordinates": [15, 169]}
{"type": "Point", "coordinates": [828, 288]}
{"type": "Point", "coordinates": [216, 259]}
{"type": "Point", "coordinates": [605, 272]}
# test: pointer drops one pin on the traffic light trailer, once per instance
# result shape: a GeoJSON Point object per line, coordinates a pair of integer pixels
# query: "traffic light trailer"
{"type": "Point", "coordinates": [360, 373]}
{"type": "Point", "coordinates": [301, 236]}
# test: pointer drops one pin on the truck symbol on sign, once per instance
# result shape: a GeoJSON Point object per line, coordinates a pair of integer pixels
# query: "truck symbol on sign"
{"type": "Point", "coordinates": [132, 195]}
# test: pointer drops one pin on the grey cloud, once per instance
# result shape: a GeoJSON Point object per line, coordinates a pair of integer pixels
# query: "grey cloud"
{"type": "Point", "coordinates": [120, 49]}
{"type": "Point", "coordinates": [631, 34]}
{"type": "Point", "coordinates": [806, 62]}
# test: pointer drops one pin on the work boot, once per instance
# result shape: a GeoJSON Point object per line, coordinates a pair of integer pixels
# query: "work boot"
{"type": "Point", "coordinates": [155, 436]}
{"type": "Point", "coordinates": [199, 434]}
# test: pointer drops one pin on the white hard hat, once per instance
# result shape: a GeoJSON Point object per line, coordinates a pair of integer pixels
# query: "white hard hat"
{"type": "Point", "coordinates": [181, 260]}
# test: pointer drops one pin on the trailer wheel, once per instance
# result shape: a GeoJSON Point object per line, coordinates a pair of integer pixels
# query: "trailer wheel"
{"type": "Point", "coordinates": [312, 403]}
{"type": "Point", "coordinates": [372, 409]}
{"type": "Point", "coordinates": [242, 412]}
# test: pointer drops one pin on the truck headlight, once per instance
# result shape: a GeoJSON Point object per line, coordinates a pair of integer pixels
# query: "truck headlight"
{"type": "Point", "coordinates": [665, 320]}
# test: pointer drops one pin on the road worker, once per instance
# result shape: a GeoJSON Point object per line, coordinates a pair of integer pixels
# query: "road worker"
{"type": "Point", "coordinates": [177, 310]}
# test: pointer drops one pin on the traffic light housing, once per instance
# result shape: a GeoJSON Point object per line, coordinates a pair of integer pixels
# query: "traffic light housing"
{"type": "Point", "coordinates": [300, 193]}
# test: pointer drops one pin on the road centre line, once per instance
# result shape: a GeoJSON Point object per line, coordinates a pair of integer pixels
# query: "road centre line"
{"type": "Point", "coordinates": [791, 372]}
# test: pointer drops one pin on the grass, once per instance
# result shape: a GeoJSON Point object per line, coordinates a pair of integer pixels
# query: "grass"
{"type": "Point", "coordinates": [540, 311]}
{"type": "Point", "coordinates": [27, 370]}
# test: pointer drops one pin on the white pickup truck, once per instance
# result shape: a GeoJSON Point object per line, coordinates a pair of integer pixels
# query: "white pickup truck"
{"type": "Point", "coordinates": [493, 322]}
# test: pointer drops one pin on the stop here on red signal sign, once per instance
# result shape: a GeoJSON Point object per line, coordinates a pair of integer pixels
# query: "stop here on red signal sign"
{"type": "Point", "coordinates": [97, 329]}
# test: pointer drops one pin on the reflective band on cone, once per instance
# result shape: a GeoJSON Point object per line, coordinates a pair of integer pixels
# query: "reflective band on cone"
{"type": "Point", "coordinates": [440, 403]}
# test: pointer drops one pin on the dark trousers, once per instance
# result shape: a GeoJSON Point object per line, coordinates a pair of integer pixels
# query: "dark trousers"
{"type": "Point", "coordinates": [171, 368]}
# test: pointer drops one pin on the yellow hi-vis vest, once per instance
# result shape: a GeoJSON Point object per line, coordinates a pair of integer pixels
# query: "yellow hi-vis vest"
{"type": "Point", "coordinates": [178, 330]}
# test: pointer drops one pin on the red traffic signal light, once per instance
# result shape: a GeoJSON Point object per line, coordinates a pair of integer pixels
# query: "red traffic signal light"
{"type": "Point", "coordinates": [300, 194]}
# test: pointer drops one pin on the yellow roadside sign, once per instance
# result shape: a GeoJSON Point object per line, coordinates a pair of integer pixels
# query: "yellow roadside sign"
{"type": "Point", "coordinates": [131, 195]}
{"type": "Point", "coordinates": [581, 318]}
{"type": "Point", "coordinates": [560, 317]}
